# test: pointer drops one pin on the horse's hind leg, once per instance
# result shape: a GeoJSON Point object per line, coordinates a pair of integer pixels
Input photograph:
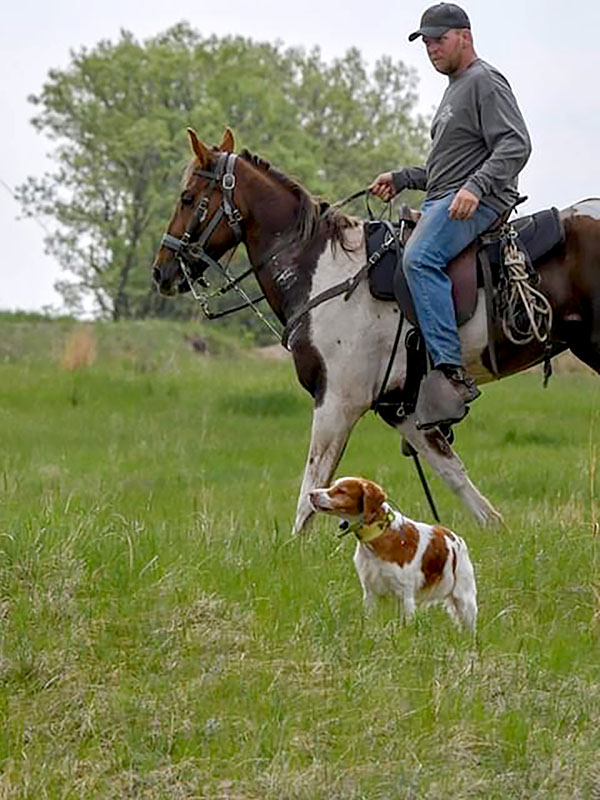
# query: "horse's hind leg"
{"type": "Point", "coordinates": [331, 426]}
{"type": "Point", "coordinates": [434, 448]}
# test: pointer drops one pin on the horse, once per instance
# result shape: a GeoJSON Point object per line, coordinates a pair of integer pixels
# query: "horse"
{"type": "Point", "coordinates": [299, 248]}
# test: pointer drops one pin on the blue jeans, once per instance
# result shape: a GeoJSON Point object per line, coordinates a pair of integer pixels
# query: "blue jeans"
{"type": "Point", "coordinates": [432, 245]}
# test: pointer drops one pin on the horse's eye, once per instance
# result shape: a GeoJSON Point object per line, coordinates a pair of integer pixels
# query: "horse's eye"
{"type": "Point", "coordinates": [187, 198]}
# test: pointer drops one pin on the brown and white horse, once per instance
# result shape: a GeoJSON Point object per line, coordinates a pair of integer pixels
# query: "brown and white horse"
{"type": "Point", "coordinates": [341, 347]}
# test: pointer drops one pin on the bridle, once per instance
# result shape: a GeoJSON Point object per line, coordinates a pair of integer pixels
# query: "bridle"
{"type": "Point", "coordinates": [189, 253]}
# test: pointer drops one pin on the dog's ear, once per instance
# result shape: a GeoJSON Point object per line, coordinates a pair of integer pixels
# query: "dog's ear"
{"type": "Point", "coordinates": [373, 497]}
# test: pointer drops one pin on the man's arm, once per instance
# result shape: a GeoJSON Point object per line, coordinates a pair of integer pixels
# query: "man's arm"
{"type": "Point", "coordinates": [388, 184]}
{"type": "Point", "coordinates": [506, 136]}
{"type": "Point", "coordinates": [410, 178]}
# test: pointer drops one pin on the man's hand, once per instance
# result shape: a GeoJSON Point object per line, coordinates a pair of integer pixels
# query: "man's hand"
{"type": "Point", "coordinates": [383, 186]}
{"type": "Point", "coordinates": [464, 205]}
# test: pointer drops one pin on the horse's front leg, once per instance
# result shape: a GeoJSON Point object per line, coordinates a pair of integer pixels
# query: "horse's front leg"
{"type": "Point", "coordinates": [331, 426]}
{"type": "Point", "coordinates": [434, 448]}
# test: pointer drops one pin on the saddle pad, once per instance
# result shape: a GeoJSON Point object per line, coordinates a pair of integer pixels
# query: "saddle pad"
{"type": "Point", "coordinates": [539, 233]}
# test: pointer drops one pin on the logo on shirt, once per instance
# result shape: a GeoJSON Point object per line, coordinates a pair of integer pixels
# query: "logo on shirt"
{"type": "Point", "coordinates": [446, 115]}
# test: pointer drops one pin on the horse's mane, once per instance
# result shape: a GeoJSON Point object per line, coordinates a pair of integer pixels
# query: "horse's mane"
{"type": "Point", "coordinates": [312, 209]}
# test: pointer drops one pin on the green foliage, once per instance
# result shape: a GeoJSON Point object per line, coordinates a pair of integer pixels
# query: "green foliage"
{"type": "Point", "coordinates": [29, 316]}
{"type": "Point", "coordinates": [162, 636]}
{"type": "Point", "coordinates": [118, 115]}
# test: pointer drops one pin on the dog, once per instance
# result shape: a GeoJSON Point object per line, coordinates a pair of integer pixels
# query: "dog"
{"type": "Point", "coordinates": [417, 562]}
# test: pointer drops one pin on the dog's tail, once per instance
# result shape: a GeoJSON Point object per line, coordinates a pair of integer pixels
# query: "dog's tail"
{"type": "Point", "coordinates": [465, 588]}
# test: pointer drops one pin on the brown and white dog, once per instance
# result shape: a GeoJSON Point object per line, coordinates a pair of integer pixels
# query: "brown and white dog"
{"type": "Point", "coordinates": [417, 562]}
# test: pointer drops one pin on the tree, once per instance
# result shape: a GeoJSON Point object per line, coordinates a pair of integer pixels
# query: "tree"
{"type": "Point", "coordinates": [118, 115]}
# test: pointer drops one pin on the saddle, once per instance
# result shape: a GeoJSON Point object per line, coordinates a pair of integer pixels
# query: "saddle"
{"type": "Point", "coordinates": [538, 234]}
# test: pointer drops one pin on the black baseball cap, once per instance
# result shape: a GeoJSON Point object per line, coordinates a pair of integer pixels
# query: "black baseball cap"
{"type": "Point", "coordinates": [440, 18]}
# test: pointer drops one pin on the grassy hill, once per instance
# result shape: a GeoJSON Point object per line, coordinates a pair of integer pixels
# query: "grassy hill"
{"type": "Point", "coordinates": [163, 636]}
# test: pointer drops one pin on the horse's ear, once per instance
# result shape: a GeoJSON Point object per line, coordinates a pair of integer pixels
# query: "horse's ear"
{"type": "Point", "coordinates": [228, 143]}
{"type": "Point", "coordinates": [373, 497]}
{"type": "Point", "coordinates": [199, 149]}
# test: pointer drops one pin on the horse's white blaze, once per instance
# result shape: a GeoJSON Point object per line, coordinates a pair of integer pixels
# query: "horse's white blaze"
{"type": "Point", "coordinates": [354, 338]}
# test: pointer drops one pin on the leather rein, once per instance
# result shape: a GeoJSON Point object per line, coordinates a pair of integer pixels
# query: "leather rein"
{"type": "Point", "coordinates": [189, 253]}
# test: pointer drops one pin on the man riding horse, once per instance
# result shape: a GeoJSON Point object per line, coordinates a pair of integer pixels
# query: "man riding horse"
{"type": "Point", "coordinates": [479, 145]}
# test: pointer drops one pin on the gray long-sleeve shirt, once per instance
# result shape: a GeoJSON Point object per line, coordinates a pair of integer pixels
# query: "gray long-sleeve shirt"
{"type": "Point", "coordinates": [479, 141]}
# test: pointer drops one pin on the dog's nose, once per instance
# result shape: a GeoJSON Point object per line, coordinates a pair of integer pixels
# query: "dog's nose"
{"type": "Point", "coordinates": [313, 496]}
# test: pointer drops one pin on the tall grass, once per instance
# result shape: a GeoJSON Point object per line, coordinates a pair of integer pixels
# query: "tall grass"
{"type": "Point", "coordinates": [163, 636]}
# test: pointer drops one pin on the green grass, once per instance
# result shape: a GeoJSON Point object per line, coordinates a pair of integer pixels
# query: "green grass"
{"type": "Point", "coordinates": [163, 636]}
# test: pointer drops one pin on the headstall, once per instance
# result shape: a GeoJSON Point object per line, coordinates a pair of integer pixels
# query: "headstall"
{"type": "Point", "coordinates": [188, 252]}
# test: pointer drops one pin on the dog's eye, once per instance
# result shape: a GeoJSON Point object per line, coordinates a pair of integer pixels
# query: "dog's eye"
{"type": "Point", "coordinates": [341, 493]}
{"type": "Point", "coordinates": [187, 198]}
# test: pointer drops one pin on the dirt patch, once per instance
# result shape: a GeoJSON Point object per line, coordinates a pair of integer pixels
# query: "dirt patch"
{"type": "Point", "coordinates": [79, 349]}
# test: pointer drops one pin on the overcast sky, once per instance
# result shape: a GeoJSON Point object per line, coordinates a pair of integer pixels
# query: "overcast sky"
{"type": "Point", "coordinates": [547, 49]}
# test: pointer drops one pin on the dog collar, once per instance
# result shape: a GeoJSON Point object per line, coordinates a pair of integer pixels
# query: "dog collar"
{"type": "Point", "coordinates": [367, 533]}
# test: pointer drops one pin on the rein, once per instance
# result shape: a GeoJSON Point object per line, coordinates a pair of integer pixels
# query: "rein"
{"type": "Point", "coordinates": [187, 252]}
{"type": "Point", "coordinates": [348, 286]}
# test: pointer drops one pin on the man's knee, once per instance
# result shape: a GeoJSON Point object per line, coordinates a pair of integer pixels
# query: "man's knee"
{"type": "Point", "coordinates": [412, 257]}
{"type": "Point", "coordinates": [418, 256]}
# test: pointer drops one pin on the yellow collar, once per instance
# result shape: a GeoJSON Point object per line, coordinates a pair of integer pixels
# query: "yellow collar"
{"type": "Point", "coordinates": [367, 533]}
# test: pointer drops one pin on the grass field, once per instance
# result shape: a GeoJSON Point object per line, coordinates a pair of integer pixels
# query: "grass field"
{"type": "Point", "coordinates": [162, 636]}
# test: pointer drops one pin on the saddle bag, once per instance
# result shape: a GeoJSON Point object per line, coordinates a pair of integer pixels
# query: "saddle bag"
{"type": "Point", "coordinates": [384, 252]}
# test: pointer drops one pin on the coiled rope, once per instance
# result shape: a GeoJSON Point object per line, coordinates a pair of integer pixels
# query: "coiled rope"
{"type": "Point", "coordinates": [526, 313]}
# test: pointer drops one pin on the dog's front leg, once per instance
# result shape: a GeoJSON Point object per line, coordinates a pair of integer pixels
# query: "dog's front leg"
{"type": "Point", "coordinates": [368, 599]}
{"type": "Point", "coordinates": [409, 606]}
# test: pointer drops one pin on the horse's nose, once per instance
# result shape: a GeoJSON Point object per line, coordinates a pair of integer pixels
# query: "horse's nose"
{"type": "Point", "coordinates": [156, 274]}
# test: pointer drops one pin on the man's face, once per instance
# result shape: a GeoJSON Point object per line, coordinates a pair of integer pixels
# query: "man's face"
{"type": "Point", "coordinates": [446, 54]}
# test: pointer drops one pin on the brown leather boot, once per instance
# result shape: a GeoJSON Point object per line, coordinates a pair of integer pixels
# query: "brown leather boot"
{"type": "Point", "coordinates": [444, 395]}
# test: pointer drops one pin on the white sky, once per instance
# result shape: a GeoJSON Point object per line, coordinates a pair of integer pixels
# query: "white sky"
{"type": "Point", "coordinates": [548, 50]}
